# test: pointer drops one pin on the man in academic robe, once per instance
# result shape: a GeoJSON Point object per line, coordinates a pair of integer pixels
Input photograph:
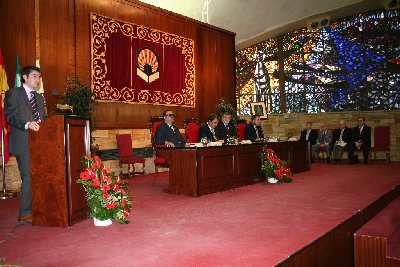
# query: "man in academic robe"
{"type": "Point", "coordinates": [253, 130]}
{"type": "Point", "coordinates": [209, 130]}
{"type": "Point", "coordinates": [167, 133]}
{"type": "Point", "coordinates": [361, 140]}
{"type": "Point", "coordinates": [24, 110]}
{"type": "Point", "coordinates": [226, 128]}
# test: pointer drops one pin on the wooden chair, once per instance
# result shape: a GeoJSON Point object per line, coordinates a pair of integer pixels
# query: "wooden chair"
{"type": "Point", "coordinates": [191, 126]}
{"type": "Point", "coordinates": [127, 156]}
{"type": "Point", "coordinates": [240, 125]}
{"type": "Point", "coordinates": [381, 141]}
{"type": "Point", "coordinates": [159, 161]}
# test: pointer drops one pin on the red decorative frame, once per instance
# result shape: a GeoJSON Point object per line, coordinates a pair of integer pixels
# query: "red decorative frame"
{"type": "Point", "coordinates": [114, 45]}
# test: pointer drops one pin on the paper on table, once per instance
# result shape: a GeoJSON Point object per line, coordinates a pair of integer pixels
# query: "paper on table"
{"type": "Point", "coordinates": [215, 144]}
{"type": "Point", "coordinates": [196, 145]}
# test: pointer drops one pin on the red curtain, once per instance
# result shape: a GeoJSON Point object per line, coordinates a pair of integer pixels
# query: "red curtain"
{"type": "Point", "coordinates": [116, 48]}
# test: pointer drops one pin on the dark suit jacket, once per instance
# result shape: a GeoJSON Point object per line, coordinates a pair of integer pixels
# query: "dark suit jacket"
{"type": "Point", "coordinates": [364, 136]}
{"type": "Point", "coordinates": [222, 131]}
{"type": "Point", "coordinates": [346, 135]}
{"type": "Point", "coordinates": [250, 132]}
{"type": "Point", "coordinates": [165, 133]}
{"type": "Point", "coordinates": [312, 137]}
{"type": "Point", "coordinates": [204, 131]}
{"type": "Point", "coordinates": [18, 111]}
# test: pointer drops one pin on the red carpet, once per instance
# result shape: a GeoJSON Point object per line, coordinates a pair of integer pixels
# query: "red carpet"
{"type": "Point", "coordinates": [257, 225]}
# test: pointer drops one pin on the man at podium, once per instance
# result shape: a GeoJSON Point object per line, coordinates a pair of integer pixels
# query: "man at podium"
{"type": "Point", "coordinates": [24, 110]}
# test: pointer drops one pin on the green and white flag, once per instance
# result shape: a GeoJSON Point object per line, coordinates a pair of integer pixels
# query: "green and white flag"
{"type": "Point", "coordinates": [17, 81]}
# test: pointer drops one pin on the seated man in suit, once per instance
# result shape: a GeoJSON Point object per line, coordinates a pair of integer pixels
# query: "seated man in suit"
{"type": "Point", "coordinates": [341, 139]}
{"type": "Point", "coordinates": [209, 130]}
{"type": "Point", "coordinates": [167, 133]}
{"type": "Point", "coordinates": [226, 128]}
{"type": "Point", "coordinates": [323, 142]}
{"type": "Point", "coordinates": [360, 140]}
{"type": "Point", "coordinates": [310, 135]}
{"type": "Point", "coordinates": [253, 130]}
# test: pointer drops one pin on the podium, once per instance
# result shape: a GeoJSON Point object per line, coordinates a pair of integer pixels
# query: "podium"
{"type": "Point", "coordinates": [55, 164]}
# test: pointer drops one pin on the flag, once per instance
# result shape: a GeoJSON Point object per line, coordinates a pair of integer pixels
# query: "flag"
{"type": "Point", "coordinates": [17, 81]}
{"type": "Point", "coordinates": [4, 125]}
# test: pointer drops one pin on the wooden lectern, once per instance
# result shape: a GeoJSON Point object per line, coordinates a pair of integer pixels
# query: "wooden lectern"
{"type": "Point", "coordinates": [55, 163]}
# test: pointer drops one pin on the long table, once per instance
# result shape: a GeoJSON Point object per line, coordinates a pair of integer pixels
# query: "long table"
{"type": "Point", "coordinates": [199, 171]}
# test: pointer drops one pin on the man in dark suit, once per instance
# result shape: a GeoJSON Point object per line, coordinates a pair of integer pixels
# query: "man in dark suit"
{"type": "Point", "coordinates": [361, 140]}
{"type": "Point", "coordinates": [24, 110]}
{"type": "Point", "coordinates": [341, 139]}
{"type": "Point", "coordinates": [253, 130]}
{"type": "Point", "coordinates": [209, 130]}
{"type": "Point", "coordinates": [310, 135]}
{"type": "Point", "coordinates": [226, 128]}
{"type": "Point", "coordinates": [167, 133]}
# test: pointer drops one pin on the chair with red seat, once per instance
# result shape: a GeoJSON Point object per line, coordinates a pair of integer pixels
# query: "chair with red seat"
{"type": "Point", "coordinates": [126, 154]}
{"type": "Point", "coordinates": [159, 161]}
{"type": "Point", "coordinates": [240, 125]}
{"type": "Point", "coordinates": [381, 141]}
{"type": "Point", "coordinates": [191, 126]}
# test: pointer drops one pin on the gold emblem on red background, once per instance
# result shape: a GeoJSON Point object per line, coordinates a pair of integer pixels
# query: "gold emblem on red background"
{"type": "Point", "coordinates": [147, 65]}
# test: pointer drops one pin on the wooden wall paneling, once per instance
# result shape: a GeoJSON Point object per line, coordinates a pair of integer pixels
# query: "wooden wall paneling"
{"type": "Point", "coordinates": [17, 34]}
{"type": "Point", "coordinates": [209, 93]}
{"type": "Point", "coordinates": [54, 49]}
{"type": "Point", "coordinates": [65, 51]}
{"type": "Point", "coordinates": [225, 65]}
{"type": "Point", "coordinates": [218, 69]}
{"type": "Point", "coordinates": [122, 115]}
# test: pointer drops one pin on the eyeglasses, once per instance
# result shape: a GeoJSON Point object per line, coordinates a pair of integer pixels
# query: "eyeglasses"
{"type": "Point", "coordinates": [171, 115]}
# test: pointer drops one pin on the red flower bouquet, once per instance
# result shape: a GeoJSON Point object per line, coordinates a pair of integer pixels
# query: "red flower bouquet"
{"type": "Point", "coordinates": [273, 167]}
{"type": "Point", "coordinates": [107, 195]}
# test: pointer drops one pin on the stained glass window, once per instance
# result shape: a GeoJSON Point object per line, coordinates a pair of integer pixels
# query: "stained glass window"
{"type": "Point", "coordinates": [354, 64]}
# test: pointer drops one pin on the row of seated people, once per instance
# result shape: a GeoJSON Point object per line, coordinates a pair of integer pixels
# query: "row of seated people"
{"type": "Point", "coordinates": [342, 138]}
{"type": "Point", "coordinates": [214, 130]}
{"type": "Point", "coordinates": [165, 133]}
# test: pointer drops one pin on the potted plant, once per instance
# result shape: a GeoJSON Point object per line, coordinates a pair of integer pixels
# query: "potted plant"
{"type": "Point", "coordinates": [80, 97]}
{"type": "Point", "coordinates": [275, 169]}
{"type": "Point", "coordinates": [80, 100]}
{"type": "Point", "coordinates": [107, 194]}
{"type": "Point", "coordinates": [224, 106]}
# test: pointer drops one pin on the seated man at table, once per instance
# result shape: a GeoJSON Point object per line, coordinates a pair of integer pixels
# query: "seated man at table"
{"type": "Point", "coordinates": [167, 133]}
{"type": "Point", "coordinates": [226, 128]}
{"type": "Point", "coordinates": [209, 130]}
{"type": "Point", "coordinates": [323, 142]}
{"type": "Point", "coordinates": [253, 130]}
{"type": "Point", "coordinates": [341, 137]}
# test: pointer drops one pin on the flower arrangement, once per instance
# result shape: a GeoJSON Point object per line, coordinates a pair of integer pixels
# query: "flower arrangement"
{"type": "Point", "coordinates": [273, 167]}
{"type": "Point", "coordinates": [107, 195]}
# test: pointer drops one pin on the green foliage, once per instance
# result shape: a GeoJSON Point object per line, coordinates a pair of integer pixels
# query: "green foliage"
{"type": "Point", "coordinates": [225, 106]}
{"type": "Point", "coordinates": [273, 167]}
{"type": "Point", "coordinates": [106, 194]}
{"type": "Point", "coordinates": [82, 99]}
{"type": "Point", "coordinates": [8, 265]}
{"type": "Point", "coordinates": [80, 96]}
